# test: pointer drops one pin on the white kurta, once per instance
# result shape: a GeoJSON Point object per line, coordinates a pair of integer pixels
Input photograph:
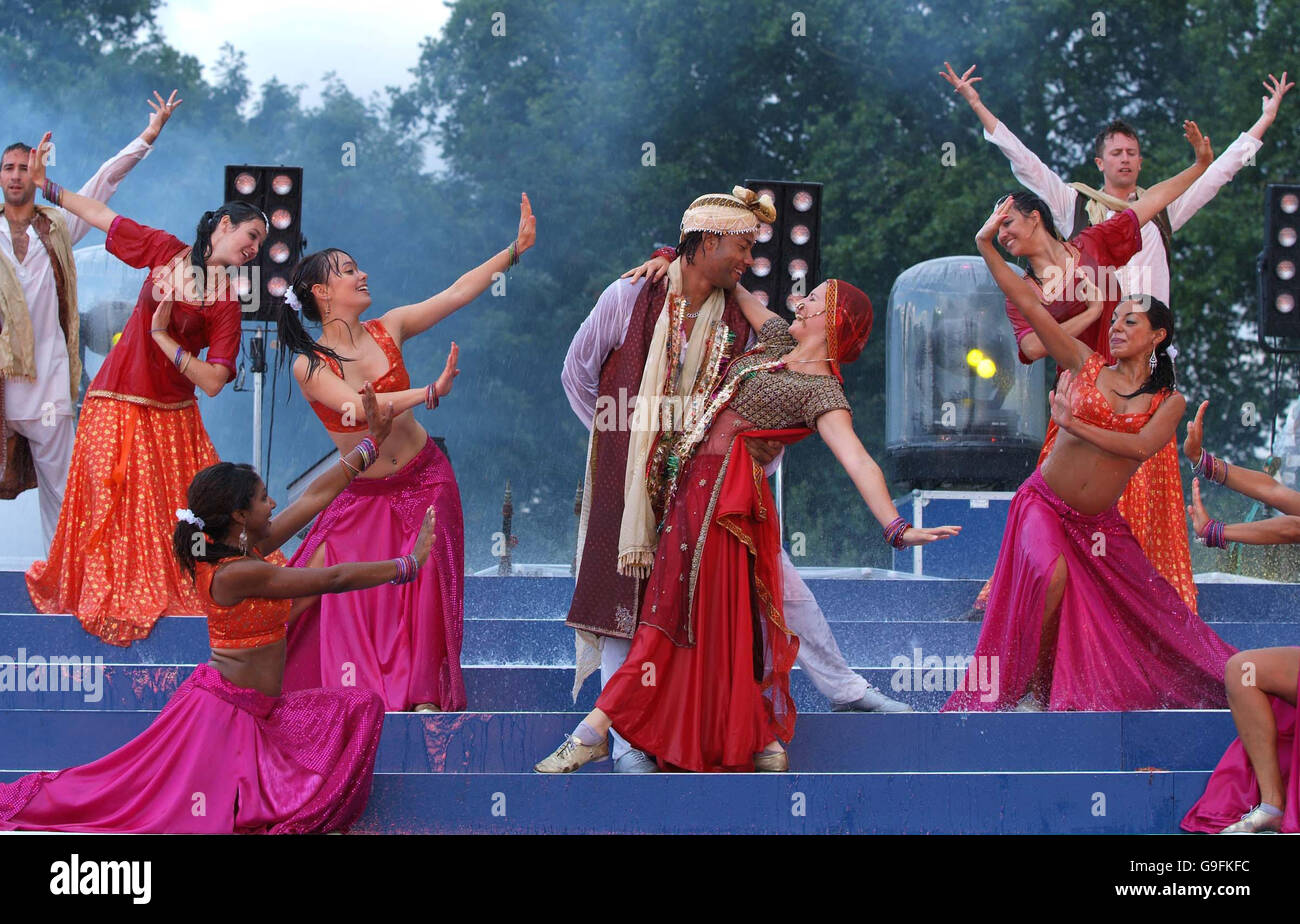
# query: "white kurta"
{"type": "Point", "coordinates": [1148, 272]}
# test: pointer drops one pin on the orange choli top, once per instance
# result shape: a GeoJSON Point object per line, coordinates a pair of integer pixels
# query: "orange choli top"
{"type": "Point", "coordinates": [251, 623]}
{"type": "Point", "coordinates": [395, 379]}
{"type": "Point", "coordinates": [1091, 406]}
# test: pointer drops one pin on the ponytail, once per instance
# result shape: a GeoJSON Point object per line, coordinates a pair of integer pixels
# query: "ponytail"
{"type": "Point", "coordinates": [239, 212]}
{"type": "Point", "coordinates": [312, 270]}
{"type": "Point", "coordinates": [213, 496]}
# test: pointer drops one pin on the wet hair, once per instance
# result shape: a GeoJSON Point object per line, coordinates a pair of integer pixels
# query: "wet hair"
{"type": "Point", "coordinates": [1160, 318]}
{"type": "Point", "coordinates": [17, 146]}
{"type": "Point", "coordinates": [239, 212]}
{"type": "Point", "coordinates": [1115, 127]}
{"type": "Point", "coordinates": [1027, 203]}
{"type": "Point", "coordinates": [690, 244]}
{"type": "Point", "coordinates": [213, 496]}
{"type": "Point", "coordinates": [313, 269]}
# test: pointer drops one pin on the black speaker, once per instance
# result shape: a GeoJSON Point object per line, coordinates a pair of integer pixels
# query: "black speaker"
{"type": "Point", "coordinates": [277, 191]}
{"type": "Point", "coordinates": [1278, 291]}
{"type": "Point", "coordinates": [788, 252]}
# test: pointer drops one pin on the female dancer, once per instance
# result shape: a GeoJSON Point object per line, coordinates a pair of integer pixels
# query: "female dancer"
{"type": "Point", "coordinates": [403, 642]}
{"type": "Point", "coordinates": [1256, 786]}
{"type": "Point", "coordinates": [229, 754]}
{"type": "Point", "coordinates": [706, 685]}
{"type": "Point", "coordinates": [1077, 616]}
{"type": "Point", "coordinates": [140, 439]}
{"type": "Point", "coordinates": [1076, 281]}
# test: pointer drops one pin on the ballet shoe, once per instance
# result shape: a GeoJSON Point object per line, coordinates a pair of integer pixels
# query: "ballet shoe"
{"type": "Point", "coordinates": [772, 762]}
{"type": "Point", "coordinates": [1256, 821]}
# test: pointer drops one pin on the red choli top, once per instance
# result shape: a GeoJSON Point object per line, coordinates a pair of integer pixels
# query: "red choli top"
{"type": "Point", "coordinates": [1102, 247]}
{"type": "Point", "coordinates": [136, 370]}
{"type": "Point", "coordinates": [395, 379]}
{"type": "Point", "coordinates": [252, 623]}
{"type": "Point", "coordinates": [1091, 406]}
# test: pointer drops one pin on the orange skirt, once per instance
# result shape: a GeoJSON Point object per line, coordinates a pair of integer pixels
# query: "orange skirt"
{"type": "Point", "coordinates": [1152, 505]}
{"type": "Point", "coordinates": [111, 562]}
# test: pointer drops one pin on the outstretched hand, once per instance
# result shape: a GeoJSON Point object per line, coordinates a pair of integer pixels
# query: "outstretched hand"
{"type": "Point", "coordinates": [164, 292]}
{"type": "Point", "coordinates": [653, 269]}
{"type": "Point", "coordinates": [1194, 442]}
{"type": "Point", "coordinates": [963, 85]}
{"type": "Point", "coordinates": [917, 535]}
{"type": "Point", "coordinates": [449, 372]}
{"type": "Point", "coordinates": [378, 420]}
{"type": "Point", "coordinates": [1196, 510]}
{"type": "Point", "coordinates": [1276, 90]}
{"type": "Point", "coordinates": [424, 541]}
{"type": "Point", "coordinates": [162, 111]}
{"type": "Point", "coordinates": [36, 159]}
{"type": "Point", "coordinates": [1200, 143]}
{"type": "Point", "coordinates": [527, 235]}
{"type": "Point", "coordinates": [1062, 400]}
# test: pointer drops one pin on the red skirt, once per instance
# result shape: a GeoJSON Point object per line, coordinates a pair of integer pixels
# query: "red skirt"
{"type": "Point", "coordinates": [721, 693]}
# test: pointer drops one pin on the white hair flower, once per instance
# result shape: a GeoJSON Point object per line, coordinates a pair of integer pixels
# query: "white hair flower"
{"type": "Point", "coordinates": [187, 516]}
{"type": "Point", "coordinates": [291, 299]}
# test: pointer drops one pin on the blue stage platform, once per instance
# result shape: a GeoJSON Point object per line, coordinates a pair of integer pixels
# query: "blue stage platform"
{"type": "Point", "coordinates": [911, 773]}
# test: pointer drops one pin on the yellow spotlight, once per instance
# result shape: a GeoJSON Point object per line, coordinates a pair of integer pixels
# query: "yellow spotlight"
{"type": "Point", "coordinates": [986, 368]}
{"type": "Point", "coordinates": [117, 337]}
{"type": "Point", "coordinates": [974, 357]}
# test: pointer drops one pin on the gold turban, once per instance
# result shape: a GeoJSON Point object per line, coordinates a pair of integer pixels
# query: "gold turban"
{"type": "Point", "coordinates": [719, 213]}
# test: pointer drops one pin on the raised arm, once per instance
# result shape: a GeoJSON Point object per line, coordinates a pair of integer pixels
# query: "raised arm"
{"type": "Point", "coordinates": [1165, 192]}
{"type": "Point", "coordinates": [836, 428]}
{"type": "Point", "coordinates": [94, 213]}
{"type": "Point", "coordinates": [753, 309]}
{"type": "Point", "coordinates": [251, 578]}
{"type": "Point", "coordinates": [1282, 530]}
{"type": "Point", "coordinates": [327, 486]}
{"type": "Point", "coordinates": [324, 387]}
{"type": "Point", "coordinates": [1254, 484]}
{"type": "Point", "coordinates": [1068, 352]}
{"type": "Point", "coordinates": [409, 320]}
{"type": "Point", "coordinates": [1140, 446]}
{"type": "Point", "coordinates": [1026, 166]}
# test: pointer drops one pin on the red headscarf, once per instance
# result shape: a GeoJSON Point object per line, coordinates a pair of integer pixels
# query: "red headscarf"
{"type": "Point", "coordinates": [848, 323]}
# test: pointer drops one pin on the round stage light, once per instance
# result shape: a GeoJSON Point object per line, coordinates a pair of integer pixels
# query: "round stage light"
{"type": "Point", "coordinates": [800, 234]}
{"type": "Point", "coordinates": [986, 368]}
{"type": "Point", "coordinates": [803, 201]}
{"type": "Point", "coordinates": [762, 267]}
{"type": "Point", "coordinates": [245, 183]}
{"type": "Point", "coordinates": [1285, 270]}
{"type": "Point", "coordinates": [276, 286]}
{"type": "Point", "coordinates": [282, 184]}
{"type": "Point", "coordinates": [281, 219]}
{"type": "Point", "coordinates": [974, 357]}
{"type": "Point", "coordinates": [764, 233]}
{"type": "Point", "coordinates": [1286, 237]}
{"type": "Point", "coordinates": [1285, 303]}
{"type": "Point", "coordinates": [1290, 203]}
{"type": "Point", "coordinates": [798, 269]}
{"type": "Point", "coordinates": [279, 252]}
{"type": "Point", "coordinates": [762, 297]}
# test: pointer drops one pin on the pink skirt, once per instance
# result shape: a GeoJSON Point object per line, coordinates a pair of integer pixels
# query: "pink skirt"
{"type": "Point", "coordinates": [219, 759]}
{"type": "Point", "coordinates": [1126, 639]}
{"type": "Point", "coordinates": [402, 641]}
{"type": "Point", "coordinates": [1233, 790]}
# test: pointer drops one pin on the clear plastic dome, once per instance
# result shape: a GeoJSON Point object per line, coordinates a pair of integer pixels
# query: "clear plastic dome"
{"type": "Point", "coordinates": [962, 410]}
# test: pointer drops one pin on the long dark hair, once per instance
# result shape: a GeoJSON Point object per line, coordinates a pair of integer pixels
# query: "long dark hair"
{"type": "Point", "coordinates": [239, 213]}
{"type": "Point", "coordinates": [214, 494]}
{"type": "Point", "coordinates": [313, 269]}
{"type": "Point", "coordinates": [1161, 318]}
{"type": "Point", "coordinates": [1026, 203]}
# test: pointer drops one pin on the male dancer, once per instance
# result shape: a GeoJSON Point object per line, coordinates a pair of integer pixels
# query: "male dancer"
{"type": "Point", "coordinates": [40, 366]}
{"type": "Point", "coordinates": [1075, 206]}
{"type": "Point", "coordinates": [602, 374]}
{"type": "Point", "coordinates": [1118, 155]}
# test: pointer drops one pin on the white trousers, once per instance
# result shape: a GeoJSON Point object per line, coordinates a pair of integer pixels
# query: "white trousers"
{"type": "Point", "coordinates": [818, 653]}
{"type": "Point", "coordinates": [52, 454]}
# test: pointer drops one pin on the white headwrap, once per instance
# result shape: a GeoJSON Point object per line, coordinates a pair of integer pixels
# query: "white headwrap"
{"type": "Point", "coordinates": [738, 213]}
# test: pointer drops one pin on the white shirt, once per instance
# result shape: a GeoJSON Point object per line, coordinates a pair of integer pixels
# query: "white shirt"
{"type": "Point", "coordinates": [1148, 271]}
{"type": "Point", "coordinates": [27, 400]}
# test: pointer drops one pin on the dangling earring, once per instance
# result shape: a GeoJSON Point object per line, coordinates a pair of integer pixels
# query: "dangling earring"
{"type": "Point", "coordinates": [243, 540]}
{"type": "Point", "coordinates": [1151, 363]}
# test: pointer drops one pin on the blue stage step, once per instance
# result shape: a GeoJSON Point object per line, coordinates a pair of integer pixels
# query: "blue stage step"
{"type": "Point", "coordinates": [824, 742]}
{"type": "Point", "coordinates": [507, 642]}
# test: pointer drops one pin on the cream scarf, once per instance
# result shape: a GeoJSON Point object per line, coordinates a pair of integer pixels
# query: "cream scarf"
{"type": "Point", "coordinates": [1100, 202]}
{"type": "Point", "coordinates": [17, 341]}
{"type": "Point", "coordinates": [663, 377]}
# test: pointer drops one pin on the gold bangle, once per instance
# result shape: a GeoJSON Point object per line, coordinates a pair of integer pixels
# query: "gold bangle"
{"type": "Point", "coordinates": [188, 357]}
{"type": "Point", "coordinates": [349, 465]}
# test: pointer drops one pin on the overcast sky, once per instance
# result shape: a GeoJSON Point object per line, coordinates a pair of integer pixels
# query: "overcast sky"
{"type": "Point", "coordinates": [370, 45]}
